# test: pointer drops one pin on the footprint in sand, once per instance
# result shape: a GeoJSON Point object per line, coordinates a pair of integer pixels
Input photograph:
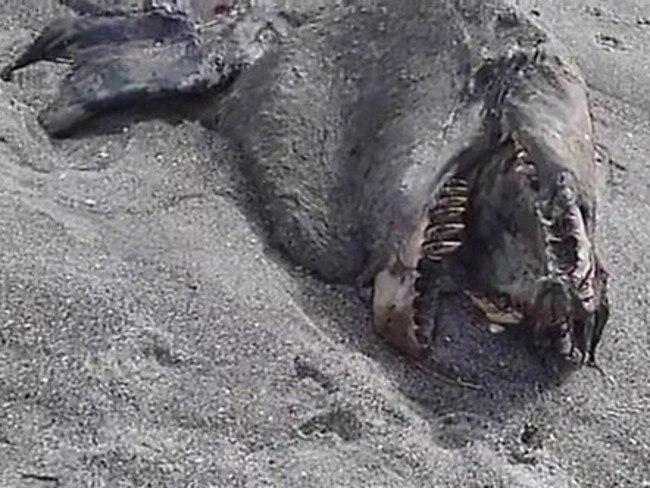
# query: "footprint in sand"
{"type": "Point", "coordinates": [610, 42]}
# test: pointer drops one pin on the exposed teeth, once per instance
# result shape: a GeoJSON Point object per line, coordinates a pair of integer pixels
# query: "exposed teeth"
{"type": "Point", "coordinates": [526, 169]}
{"type": "Point", "coordinates": [548, 223]}
{"type": "Point", "coordinates": [452, 201]}
{"type": "Point", "coordinates": [522, 164]}
{"type": "Point", "coordinates": [569, 249]}
{"type": "Point", "coordinates": [442, 234]}
{"type": "Point", "coordinates": [443, 215]}
{"type": "Point", "coordinates": [444, 231]}
{"type": "Point", "coordinates": [455, 190]}
{"type": "Point", "coordinates": [584, 283]}
{"type": "Point", "coordinates": [496, 328]}
{"type": "Point", "coordinates": [438, 249]}
{"type": "Point", "coordinates": [493, 313]}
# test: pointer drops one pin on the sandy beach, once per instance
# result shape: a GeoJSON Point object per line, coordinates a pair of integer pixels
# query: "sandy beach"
{"type": "Point", "coordinates": [150, 336]}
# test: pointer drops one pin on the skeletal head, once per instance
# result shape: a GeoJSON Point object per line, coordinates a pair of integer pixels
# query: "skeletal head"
{"type": "Point", "coordinates": [536, 229]}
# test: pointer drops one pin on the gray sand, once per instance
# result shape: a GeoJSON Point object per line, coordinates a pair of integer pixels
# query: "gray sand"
{"type": "Point", "coordinates": [149, 336]}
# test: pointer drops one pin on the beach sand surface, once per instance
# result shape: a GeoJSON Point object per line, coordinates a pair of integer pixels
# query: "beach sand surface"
{"type": "Point", "coordinates": [150, 336]}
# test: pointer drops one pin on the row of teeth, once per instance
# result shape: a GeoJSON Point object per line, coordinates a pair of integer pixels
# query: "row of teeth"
{"type": "Point", "coordinates": [445, 224]}
{"type": "Point", "coordinates": [569, 250]}
{"type": "Point", "coordinates": [446, 218]}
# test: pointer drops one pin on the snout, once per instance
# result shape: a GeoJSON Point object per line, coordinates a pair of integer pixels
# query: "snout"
{"type": "Point", "coordinates": [562, 324]}
{"type": "Point", "coordinates": [552, 317]}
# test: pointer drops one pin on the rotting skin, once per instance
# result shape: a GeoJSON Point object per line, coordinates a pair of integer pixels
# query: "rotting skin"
{"type": "Point", "coordinates": [380, 136]}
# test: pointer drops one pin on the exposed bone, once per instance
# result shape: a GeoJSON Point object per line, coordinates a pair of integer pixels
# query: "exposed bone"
{"type": "Point", "coordinates": [394, 288]}
{"type": "Point", "coordinates": [455, 185]}
{"type": "Point", "coordinates": [443, 231]}
{"type": "Point", "coordinates": [548, 223]}
{"type": "Point", "coordinates": [583, 272]}
{"type": "Point", "coordinates": [443, 227]}
{"type": "Point", "coordinates": [494, 313]}
{"type": "Point", "coordinates": [566, 230]}
{"type": "Point", "coordinates": [521, 163]}
{"type": "Point", "coordinates": [395, 293]}
{"type": "Point", "coordinates": [526, 169]}
{"type": "Point", "coordinates": [447, 215]}
{"type": "Point", "coordinates": [446, 220]}
{"type": "Point", "coordinates": [438, 250]}
{"type": "Point", "coordinates": [452, 201]}
{"type": "Point", "coordinates": [454, 191]}
{"type": "Point", "coordinates": [496, 328]}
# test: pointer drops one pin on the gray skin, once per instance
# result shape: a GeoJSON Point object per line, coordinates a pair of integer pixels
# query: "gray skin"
{"type": "Point", "coordinates": [382, 137]}
{"type": "Point", "coordinates": [123, 57]}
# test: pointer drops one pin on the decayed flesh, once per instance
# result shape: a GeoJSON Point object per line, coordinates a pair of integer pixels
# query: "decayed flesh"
{"type": "Point", "coordinates": [566, 293]}
{"type": "Point", "coordinates": [571, 266]}
{"type": "Point", "coordinates": [437, 234]}
{"type": "Point", "coordinates": [499, 312]}
{"type": "Point", "coordinates": [569, 248]}
{"type": "Point", "coordinates": [495, 312]}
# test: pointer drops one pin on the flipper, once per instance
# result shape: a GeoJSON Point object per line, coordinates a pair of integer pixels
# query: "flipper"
{"type": "Point", "coordinates": [122, 58]}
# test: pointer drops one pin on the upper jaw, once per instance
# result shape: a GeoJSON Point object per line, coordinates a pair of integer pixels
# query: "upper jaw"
{"type": "Point", "coordinates": [571, 262]}
{"type": "Point", "coordinates": [562, 294]}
